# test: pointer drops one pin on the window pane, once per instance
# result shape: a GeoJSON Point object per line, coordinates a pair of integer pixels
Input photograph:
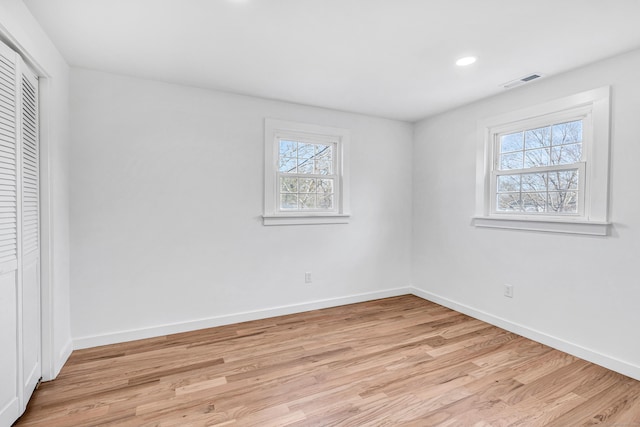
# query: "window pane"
{"type": "Point", "coordinates": [508, 183]}
{"type": "Point", "coordinates": [288, 184]}
{"type": "Point", "coordinates": [306, 151]}
{"type": "Point", "coordinates": [534, 182]}
{"type": "Point", "coordinates": [307, 201]}
{"type": "Point", "coordinates": [536, 158]}
{"type": "Point", "coordinates": [325, 186]}
{"type": "Point", "coordinates": [325, 201]}
{"type": "Point", "coordinates": [288, 201]}
{"type": "Point", "coordinates": [323, 151]}
{"type": "Point", "coordinates": [566, 154]}
{"type": "Point", "coordinates": [288, 148]}
{"type": "Point", "coordinates": [287, 164]}
{"type": "Point", "coordinates": [567, 133]}
{"type": "Point", "coordinates": [305, 166]}
{"type": "Point", "coordinates": [511, 161]}
{"type": "Point", "coordinates": [508, 202]}
{"type": "Point", "coordinates": [563, 201]}
{"type": "Point", "coordinates": [323, 167]}
{"type": "Point", "coordinates": [534, 202]}
{"type": "Point", "coordinates": [307, 185]}
{"type": "Point", "coordinates": [511, 142]}
{"type": "Point", "coordinates": [563, 180]}
{"type": "Point", "coordinates": [537, 138]}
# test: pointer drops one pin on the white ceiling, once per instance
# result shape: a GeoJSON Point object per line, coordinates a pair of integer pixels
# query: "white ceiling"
{"type": "Point", "coordinates": [389, 58]}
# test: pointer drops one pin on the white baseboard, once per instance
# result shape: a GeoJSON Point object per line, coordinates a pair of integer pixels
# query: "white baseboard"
{"type": "Point", "coordinates": [608, 362]}
{"type": "Point", "coordinates": [192, 325]}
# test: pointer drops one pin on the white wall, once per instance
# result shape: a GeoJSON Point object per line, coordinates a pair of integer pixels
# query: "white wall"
{"type": "Point", "coordinates": [578, 293]}
{"type": "Point", "coordinates": [166, 198]}
{"type": "Point", "coordinates": [19, 29]}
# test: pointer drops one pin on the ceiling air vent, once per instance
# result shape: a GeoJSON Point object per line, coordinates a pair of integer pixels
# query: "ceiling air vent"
{"type": "Point", "coordinates": [521, 80]}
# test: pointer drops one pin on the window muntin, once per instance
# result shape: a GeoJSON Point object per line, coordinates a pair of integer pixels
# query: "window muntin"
{"type": "Point", "coordinates": [540, 170]}
{"type": "Point", "coordinates": [306, 175]}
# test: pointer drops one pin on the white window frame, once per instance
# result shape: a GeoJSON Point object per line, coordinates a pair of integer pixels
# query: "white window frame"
{"type": "Point", "coordinates": [593, 107]}
{"type": "Point", "coordinates": [275, 130]}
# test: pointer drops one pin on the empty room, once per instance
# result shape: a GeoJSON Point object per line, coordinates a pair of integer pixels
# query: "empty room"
{"type": "Point", "coordinates": [319, 213]}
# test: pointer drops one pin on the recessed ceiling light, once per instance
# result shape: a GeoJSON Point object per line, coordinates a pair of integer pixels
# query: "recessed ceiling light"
{"type": "Point", "coordinates": [467, 60]}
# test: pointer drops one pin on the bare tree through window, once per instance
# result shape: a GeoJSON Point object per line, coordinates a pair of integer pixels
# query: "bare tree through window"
{"type": "Point", "coordinates": [306, 175]}
{"type": "Point", "coordinates": [532, 174]}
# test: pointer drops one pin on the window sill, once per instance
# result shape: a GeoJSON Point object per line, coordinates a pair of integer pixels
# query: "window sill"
{"type": "Point", "coordinates": [311, 219]}
{"type": "Point", "coordinates": [553, 225]}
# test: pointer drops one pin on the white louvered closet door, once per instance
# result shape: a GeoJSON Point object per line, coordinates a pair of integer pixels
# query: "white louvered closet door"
{"type": "Point", "coordinates": [10, 353]}
{"type": "Point", "coordinates": [30, 235]}
{"type": "Point", "coordinates": [20, 332]}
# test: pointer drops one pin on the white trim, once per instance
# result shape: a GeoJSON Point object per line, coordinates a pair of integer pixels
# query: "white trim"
{"type": "Point", "coordinates": [594, 106]}
{"type": "Point", "coordinates": [621, 366]}
{"type": "Point", "coordinates": [192, 325]}
{"type": "Point", "coordinates": [341, 137]}
{"type": "Point", "coordinates": [63, 355]}
{"type": "Point", "coordinates": [50, 366]}
{"type": "Point", "coordinates": [594, 228]}
{"type": "Point", "coordinates": [304, 220]}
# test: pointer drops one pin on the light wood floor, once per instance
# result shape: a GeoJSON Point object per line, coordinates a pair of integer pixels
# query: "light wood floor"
{"type": "Point", "coordinates": [397, 361]}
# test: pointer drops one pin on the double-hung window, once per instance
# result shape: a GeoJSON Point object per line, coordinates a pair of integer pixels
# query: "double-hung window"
{"type": "Point", "coordinates": [545, 168]}
{"type": "Point", "coordinates": [305, 177]}
{"type": "Point", "coordinates": [540, 171]}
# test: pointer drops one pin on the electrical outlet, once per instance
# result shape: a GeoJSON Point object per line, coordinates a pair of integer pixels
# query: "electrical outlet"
{"type": "Point", "coordinates": [307, 277]}
{"type": "Point", "coordinates": [508, 291]}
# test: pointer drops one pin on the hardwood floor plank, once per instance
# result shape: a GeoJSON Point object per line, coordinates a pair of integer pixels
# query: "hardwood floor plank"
{"type": "Point", "coordinates": [396, 361]}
